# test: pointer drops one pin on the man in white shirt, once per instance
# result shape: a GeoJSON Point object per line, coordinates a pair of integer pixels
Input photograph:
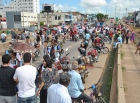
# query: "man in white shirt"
{"type": "Point", "coordinates": [25, 76]}
{"type": "Point", "coordinates": [3, 37]}
{"type": "Point", "coordinates": [58, 93]}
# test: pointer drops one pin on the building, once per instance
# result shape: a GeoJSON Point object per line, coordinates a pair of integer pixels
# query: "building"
{"type": "Point", "coordinates": [55, 18]}
{"type": "Point", "coordinates": [138, 17]}
{"type": "Point", "coordinates": [130, 13]}
{"type": "Point", "coordinates": [21, 19]}
{"type": "Point", "coordinates": [32, 6]}
{"type": "Point", "coordinates": [79, 17]}
{"type": "Point", "coordinates": [92, 17]}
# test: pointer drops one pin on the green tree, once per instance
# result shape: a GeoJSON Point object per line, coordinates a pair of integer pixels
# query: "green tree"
{"type": "Point", "coordinates": [0, 16]}
{"type": "Point", "coordinates": [41, 23]}
{"type": "Point", "coordinates": [100, 16]}
{"type": "Point", "coordinates": [106, 16]}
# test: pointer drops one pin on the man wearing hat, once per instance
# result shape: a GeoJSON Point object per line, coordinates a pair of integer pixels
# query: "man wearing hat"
{"type": "Point", "coordinates": [76, 87]}
{"type": "Point", "coordinates": [58, 93]}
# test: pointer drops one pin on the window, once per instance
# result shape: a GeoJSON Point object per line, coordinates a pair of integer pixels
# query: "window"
{"type": "Point", "coordinates": [56, 17]}
{"type": "Point", "coordinates": [59, 17]}
{"type": "Point", "coordinates": [17, 18]}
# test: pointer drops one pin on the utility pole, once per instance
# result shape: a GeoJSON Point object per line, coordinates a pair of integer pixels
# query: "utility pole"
{"type": "Point", "coordinates": [115, 12]}
{"type": "Point", "coordinates": [126, 12]}
{"type": "Point", "coordinates": [134, 17]}
{"type": "Point", "coordinates": [38, 21]}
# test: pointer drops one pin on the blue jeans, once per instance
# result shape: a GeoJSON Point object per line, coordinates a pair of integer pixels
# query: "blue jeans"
{"type": "Point", "coordinates": [3, 40]}
{"type": "Point", "coordinates": [27, 100]}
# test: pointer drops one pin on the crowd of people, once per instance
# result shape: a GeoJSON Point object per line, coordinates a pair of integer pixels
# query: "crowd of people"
{"type": "Point", "coordinates": [26, 83]}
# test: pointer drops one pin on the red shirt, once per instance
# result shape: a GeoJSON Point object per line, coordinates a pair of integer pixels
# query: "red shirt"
{"type": "Point", "coordinates": [97, 41]}
{"type": "Point", "coordinates": [111, 34]}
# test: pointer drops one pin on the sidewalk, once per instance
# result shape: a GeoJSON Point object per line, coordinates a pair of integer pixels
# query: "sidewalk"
{"type": "Point", "coordinates": [131, 73]}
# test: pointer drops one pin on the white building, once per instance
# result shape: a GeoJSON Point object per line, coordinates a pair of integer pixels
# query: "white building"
{"type": "Point", "coordinates": [32, 6]}
{"type": "Point", "coordinates": [56, 18]}
{"type": "Point", "coordinates": [21, 19]}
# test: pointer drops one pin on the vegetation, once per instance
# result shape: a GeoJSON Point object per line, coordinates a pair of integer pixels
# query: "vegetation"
{"type": "Point", "coordinates": [122, 54]}
{"type": "Point", "coordinates": [107, 77]}
{"type": "Point", "coordinates": [101, 17]}
{"type": "Point", "coordinates": [123, 68]}
{"type": "Point", "coordinates": [41, 23]}
{"type": "Point", "coordinates": [0, 16]}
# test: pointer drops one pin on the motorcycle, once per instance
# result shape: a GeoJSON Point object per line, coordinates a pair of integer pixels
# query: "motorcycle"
{"type": "Point", "coordinates": [37, 52]}
{"type": "Point", "coordinates": [93, 56]}
{"type": "Point", "coordinates": [75, 37]}
{"type": "Point", "coordinates": [102, 49]}
{"type": "Point", "coordinates": [82, 68]}
{"type": "Point", "coordinates": [80, 35]}
{"type": "Point", "coordinates": [63, 62]}
{"type": "Point", "coordinates": [63, 39]}
{"type": "Point", "coordinates": [83, 72]}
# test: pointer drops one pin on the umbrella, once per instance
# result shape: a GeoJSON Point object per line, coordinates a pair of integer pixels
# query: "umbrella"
{"type": "Point", "coordinates": [23, 47]}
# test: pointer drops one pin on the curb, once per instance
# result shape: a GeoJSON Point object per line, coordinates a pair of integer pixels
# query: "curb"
{"type": "Point", "coordinates": [120, 87]}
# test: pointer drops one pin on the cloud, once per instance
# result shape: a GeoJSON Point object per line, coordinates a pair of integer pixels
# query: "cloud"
{"type": "Point", "coordinates": [93, 3]}
{"type": "Point", "coordinates": [93, 6]}
{"type": "Point", "coordinates": [121, 5]}
{"type": "Point", "coordinates": [64, 8]}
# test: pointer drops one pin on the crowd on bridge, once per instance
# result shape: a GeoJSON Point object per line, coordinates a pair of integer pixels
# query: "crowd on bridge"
{"type": "Point", "coordinates": [23, 83]}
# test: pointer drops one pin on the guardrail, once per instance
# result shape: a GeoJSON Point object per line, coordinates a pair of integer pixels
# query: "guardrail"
{"type": "Point", "coordinates": [120, 87]}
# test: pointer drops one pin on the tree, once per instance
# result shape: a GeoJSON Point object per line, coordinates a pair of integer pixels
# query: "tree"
{"type": "Point", "coordinates": [41, 23]}
{"type": "Point", "coordinates": [106, 16]}
{"type": "Point", "coordinates": [0, 16]}
{"type": "Point", "coordinates": [100, 16]}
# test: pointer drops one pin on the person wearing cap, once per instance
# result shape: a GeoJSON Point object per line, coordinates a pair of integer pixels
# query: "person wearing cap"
{"type": "Point", "coordinates": [58, 93]}
{"type": "Point", "coordinates": [76, 87]}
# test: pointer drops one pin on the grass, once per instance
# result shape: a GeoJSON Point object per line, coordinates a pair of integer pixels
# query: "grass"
{"type": "Point", "coordinates": [125, 88]}
{"type": "Point", "coordinates": [121, 45]}
{"type": "Point", "coordinates": [123, 68]}
{"type": "Point", "coordinates": [122, 54]}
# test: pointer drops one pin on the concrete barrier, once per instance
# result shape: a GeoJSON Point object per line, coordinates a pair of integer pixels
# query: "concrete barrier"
{"type": "Point", "coordinates": [120, 87]}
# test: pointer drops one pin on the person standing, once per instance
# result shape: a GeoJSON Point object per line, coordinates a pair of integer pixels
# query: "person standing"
{"type": "Point", "coordinates": [59, 90]}
{"type": "Point", "coordinates": [25, 77]}
{"type": "Point", "coordinates": [57, 50]}
{"type": "Point", "coordinates": [7, 84]}
{"type": "Point", "coordinates": [127, 36]}
{"type": "Point", "coordinates": [132, 36]}
{"type": "Point", "coordinates": [47, 80]}
{"type": "Point", "coordinates": [3, 37]}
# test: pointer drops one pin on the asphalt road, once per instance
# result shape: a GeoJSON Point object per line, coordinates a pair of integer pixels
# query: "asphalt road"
{"type": "Point", "coordinates": [94, 73]}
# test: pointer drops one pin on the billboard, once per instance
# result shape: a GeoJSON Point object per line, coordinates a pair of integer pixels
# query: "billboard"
{"type": "Point", "coordinates": [47, 8]}
{"type": "Point", "coordinates": [17, 18]}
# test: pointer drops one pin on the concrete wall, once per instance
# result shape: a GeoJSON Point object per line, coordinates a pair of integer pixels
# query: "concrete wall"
{"type": "Point", "coordinates": [120, 88]}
